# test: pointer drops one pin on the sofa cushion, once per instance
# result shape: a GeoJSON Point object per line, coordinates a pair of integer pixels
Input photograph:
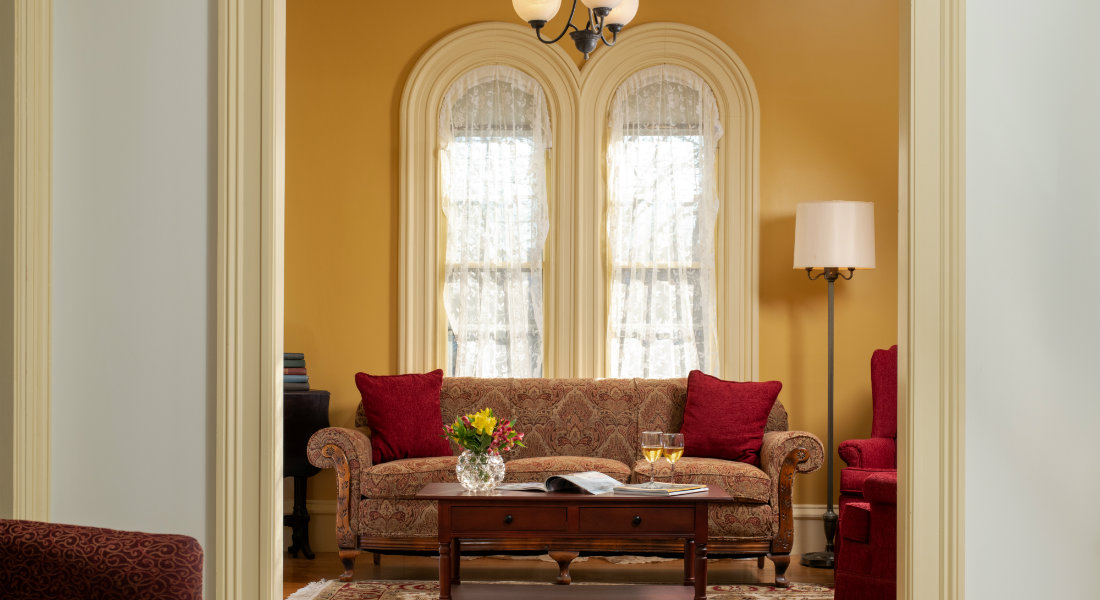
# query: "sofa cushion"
{"type": "Point", "coordinates": [726, 419]}
{"type": "Point", "coordinates": [404, 416]}
{"type": "Point", "coordinates": [852, 478]}
{"type": "Point", "coordinates": [404, 478]}
{"type": "Point", "coordinates": [524, 470]}
{"type": "Point", "coordinates": [742, 481]}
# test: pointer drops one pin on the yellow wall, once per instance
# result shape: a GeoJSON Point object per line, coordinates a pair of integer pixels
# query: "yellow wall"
{"type": "Point", "coordinates": [827, 77]}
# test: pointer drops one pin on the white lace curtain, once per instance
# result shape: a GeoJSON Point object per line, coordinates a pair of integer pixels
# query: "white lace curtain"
{"type": "Point", "coordinates": [494, 130]}
{"type": "Point", "coordinates": [663, 205]}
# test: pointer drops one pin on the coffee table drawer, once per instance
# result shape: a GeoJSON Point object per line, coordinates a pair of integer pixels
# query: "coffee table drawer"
{"type": "Point", "coordinates": [669, 519]}
{"type": "Point", "coordinates": [516, 518]}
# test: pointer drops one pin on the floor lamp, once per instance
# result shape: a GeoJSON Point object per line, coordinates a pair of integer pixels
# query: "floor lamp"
{"type": "Point", "coordinates": [832, 236]}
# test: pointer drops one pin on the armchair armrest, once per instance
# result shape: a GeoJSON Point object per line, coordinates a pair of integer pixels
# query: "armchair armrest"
{"type": "Point", "coordinates": [881, 488]}
{"type": "Point", "coordinates": [873, 453]}
{"type": "Point", "coordinates": [348, 452]}
{"type": "Point", "coordinates": [781, 455]}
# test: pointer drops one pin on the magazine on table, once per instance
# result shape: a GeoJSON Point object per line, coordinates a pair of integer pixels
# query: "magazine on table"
{"type": "Point", "coordinates": [660, 488]}
{"type": "Point", "coordinates": [588, 482]}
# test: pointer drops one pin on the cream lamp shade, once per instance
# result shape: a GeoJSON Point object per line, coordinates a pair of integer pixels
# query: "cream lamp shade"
{"type": "Point", "coordinates": [836, 233]}
{"type": "Point", "coordinates": [536, 10]}
{"type": "Point", "coordinates": [623, 13]}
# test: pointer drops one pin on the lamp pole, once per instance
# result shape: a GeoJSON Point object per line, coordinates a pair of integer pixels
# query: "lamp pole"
{"type": "Point", "coordinates": [825, 560]}
{"type": "Point", "coordinates": [828, 234]}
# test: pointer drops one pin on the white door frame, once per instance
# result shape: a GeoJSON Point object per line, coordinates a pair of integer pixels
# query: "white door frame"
{"type": "Point", "coordinates": [26, 331]}
{"type": "Point", "coordinates": [251, 94]}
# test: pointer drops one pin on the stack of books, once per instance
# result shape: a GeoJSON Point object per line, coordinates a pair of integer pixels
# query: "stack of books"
{"type": "Point", "coordinates": [295, 378]}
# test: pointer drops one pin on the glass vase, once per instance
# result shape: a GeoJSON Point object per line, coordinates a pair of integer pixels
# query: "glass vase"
{"type": "Point", "coordinates": [479, 471]}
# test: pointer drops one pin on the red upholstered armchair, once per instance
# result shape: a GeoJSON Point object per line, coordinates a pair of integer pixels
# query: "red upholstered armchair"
{"type": "Point", "coordinates": [879, 453]}
{"type": "Point", "coordinates": [47, 561]}
{"type": "Point", "coordinates": [866, 560]}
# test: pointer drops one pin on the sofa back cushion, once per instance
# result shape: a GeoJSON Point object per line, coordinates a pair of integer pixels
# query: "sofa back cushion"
{"type": "Point", "coordinates": [576, 417]}
{"type": "Point", "coordinates": [559, 417]}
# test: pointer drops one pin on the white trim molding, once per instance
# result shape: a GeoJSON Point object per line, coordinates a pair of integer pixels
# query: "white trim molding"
{"type": "Point", "coordinates": [421, 324]}
{"type": "Point", "coordinates": [931, 303]}
{"type": "Point", "coordinates": [576, 273]}
{"type": "Point", "coordinates": [248, 500]}
{"type": "Point", "coordinates": [738, 189]}
{"type": "Point", "coordinates": [31, 285]}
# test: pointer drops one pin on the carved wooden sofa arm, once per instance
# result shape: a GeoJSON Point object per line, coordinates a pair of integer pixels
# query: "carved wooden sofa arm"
{"type": "Point", "coordinates": [782, 454]}
{"type": "Point", "coordinates": [347, 451]}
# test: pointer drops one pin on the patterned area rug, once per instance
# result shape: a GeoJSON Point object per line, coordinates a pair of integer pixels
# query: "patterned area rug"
{"type": "Point", "coordinates": [429, 590]}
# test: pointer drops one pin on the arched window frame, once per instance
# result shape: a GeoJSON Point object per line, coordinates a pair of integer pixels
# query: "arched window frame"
{"type": "Point", "coordinates": [576, 273]}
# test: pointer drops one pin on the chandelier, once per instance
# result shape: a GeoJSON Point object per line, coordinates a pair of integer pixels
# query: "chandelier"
{"type": "Point", "coordinates": [611, 15]}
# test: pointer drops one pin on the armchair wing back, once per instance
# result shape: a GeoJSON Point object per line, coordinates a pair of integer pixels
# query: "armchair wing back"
{"type": "Point", "coordinates": [884, 393]}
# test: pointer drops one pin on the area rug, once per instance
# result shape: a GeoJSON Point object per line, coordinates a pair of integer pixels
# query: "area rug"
{"type": "Point", "coordinates": [429, 590]}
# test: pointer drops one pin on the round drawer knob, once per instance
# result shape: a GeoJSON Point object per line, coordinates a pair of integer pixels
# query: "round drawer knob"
{"type": "Point", "coordinates": [507, 519]}
{"type": "Point", "coordinates": [637, 519]}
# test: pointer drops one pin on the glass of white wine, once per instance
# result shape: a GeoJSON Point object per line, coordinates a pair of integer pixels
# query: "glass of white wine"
{"type": "Point", "coordinates": [651, 449]}
{"type": "Point", "coordinates": [672, 444]}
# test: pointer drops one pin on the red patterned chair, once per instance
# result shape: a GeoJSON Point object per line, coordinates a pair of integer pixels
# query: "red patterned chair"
{"type": "Point", "coordinates": [47, 561]}
{"type": "Point", "coordinates": [866, 560]}
{"type": "Point", "coordinates": [878, 454]}
{"type": "Point", "coordinates": [570, 425]}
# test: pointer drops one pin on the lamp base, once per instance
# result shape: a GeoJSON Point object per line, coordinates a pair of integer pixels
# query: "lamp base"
{"type": "Point", "coordinates": [818, 560]}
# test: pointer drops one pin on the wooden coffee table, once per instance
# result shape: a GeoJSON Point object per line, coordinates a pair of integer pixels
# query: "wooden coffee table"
{"type": "Point", "coordinates": [570, 521]}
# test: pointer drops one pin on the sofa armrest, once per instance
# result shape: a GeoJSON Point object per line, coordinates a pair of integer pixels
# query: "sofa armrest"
{"type": "Point", "coordinates": [881, 488]}
{"type": "Point", "coordinates": [348, 452]}
{"type": "Point", "coordinates": [872, 453]}
{"type": "Point", "coordinates": [782, 454]}
{"type": "Point", "coordinates": [778, 444]}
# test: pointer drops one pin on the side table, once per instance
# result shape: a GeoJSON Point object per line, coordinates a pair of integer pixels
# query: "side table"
{"type": "Point", "coordinates": [303, 414]}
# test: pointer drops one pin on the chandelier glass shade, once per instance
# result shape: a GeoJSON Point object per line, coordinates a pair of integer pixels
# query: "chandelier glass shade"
{"type": "Point", "coordinates": [603, 16]}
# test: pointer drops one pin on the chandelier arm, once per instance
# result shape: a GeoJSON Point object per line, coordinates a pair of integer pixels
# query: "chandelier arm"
{"type": "Point", "coordinates": [568, 24]}
{"type": "Point", "coordinates": [851, 272]}
{"type": "Point", "coordinates": [614, 37]}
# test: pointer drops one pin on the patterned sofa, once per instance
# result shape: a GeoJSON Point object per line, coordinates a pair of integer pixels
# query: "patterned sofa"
{"type": "Point", "coordinates": [48, 561]}
{"type": "Point", "coordinates": [570, 425]}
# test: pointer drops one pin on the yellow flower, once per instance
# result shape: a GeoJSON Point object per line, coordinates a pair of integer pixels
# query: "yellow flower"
{"type": "Point", "coordinates": [484, 421]}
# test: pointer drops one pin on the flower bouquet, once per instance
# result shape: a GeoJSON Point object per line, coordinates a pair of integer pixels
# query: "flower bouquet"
{"type": "Point", "coordinates": [483, 437]}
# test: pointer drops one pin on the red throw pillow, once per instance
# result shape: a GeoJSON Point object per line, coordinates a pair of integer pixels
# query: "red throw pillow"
{"type": "Point", "coordinates": [726, 419]}
{"type": "Point", "coordinates": [403, 414]}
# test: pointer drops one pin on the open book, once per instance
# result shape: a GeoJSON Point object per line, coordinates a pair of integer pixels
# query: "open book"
{"type": "Point", "coordinates": [590, 482]}
{"type": "Point", "coordinates": [659, 488]}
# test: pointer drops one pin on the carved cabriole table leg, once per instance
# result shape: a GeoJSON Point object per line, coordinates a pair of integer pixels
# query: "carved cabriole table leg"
{"type": "Point", "coordinates": [563, 558]}
{"type": "Point", "coordinates": [445, 567]}
{"type": "Point", "coordinates": [702, 524]}
{"type": "Point", "coordinates": [456, 561]}
{"type": "Point", "coordinates": [689, 562]}
{"type": "Point", "coordinates": [784, 538]}
{"type": "Point", "coordinates": [448, 563]}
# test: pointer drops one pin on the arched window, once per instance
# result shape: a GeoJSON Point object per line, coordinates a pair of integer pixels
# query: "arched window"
{"type": "Point", "coordinates": [609, 173]}
{"type": "Point", "coordinates": [662, 205]}
{"type": "Point", "coordinates": [493, 134]}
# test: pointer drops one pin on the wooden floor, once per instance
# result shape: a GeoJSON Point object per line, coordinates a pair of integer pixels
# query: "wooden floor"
{"type": "Point", "coordinates": [298, 572]}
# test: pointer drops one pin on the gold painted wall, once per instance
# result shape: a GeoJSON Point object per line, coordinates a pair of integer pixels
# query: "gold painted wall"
{"type": "Point", "coordinates": [827, 76]}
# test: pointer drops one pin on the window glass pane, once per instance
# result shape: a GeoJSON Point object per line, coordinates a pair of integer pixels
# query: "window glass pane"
{"type": "Point", "coordinates": [662, 215]}
{"type": "Point", "coordinates": [494, 132]}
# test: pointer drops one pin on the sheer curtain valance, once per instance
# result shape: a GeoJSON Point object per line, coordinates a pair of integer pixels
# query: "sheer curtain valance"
{"type": "Point", "coordinates": [494, 130]}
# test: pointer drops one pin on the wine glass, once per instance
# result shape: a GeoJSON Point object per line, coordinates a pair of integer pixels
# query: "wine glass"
{"type": "Point", "coordinates": [651, 449]}
{"type": "Point", "coordinates": [672, 444]}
